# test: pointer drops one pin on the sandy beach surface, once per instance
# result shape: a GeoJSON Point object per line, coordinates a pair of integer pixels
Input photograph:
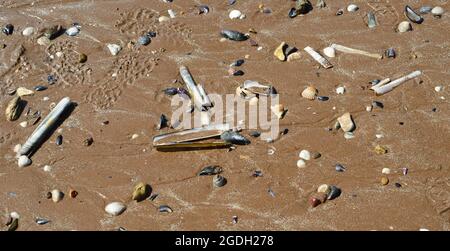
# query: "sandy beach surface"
{"type": "Point", "coordinates": [126, 91]}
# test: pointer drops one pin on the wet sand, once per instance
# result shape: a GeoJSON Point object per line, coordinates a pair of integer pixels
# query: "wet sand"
{"type": "Point", "coordinates": [126, 91]}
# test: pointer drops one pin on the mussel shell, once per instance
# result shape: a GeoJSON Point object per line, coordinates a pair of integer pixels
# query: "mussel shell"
{"type": "Point", "coordinates": [51, 79]}
{"type": "Point", "coordinates": [254, 134]}
{"type": "Point", "coordinates": [162, 123]}
{"type": "Point", "coordinates": [203, 9]}
{"type": "Point", "coordinates": [53, 32]}
{"type": "Point", "coordinates": [238, 62]}
{"type": "Point", "coordinates": [377, 104]}
{"type": "Point", "coordinates": [171, 91]}
{"type": "Point", "coordinates": [234, 138]}
{"type": "Point", "coordinates": [165, 209]}
{"type": "Point", "coordinates": [375, 81]}
{"type": "Point", "coordinates": [219, 181]}
{"type": "Point", "coordinates": [8, 29]}
{"type": "Point", "coordinates": [303, 6]}
{"type": "Point", "coordinates": [41, 221]}
{"type": "Point", "coordinates": [292, 13]}
{"type": "Point", "coordinates": [40, 88]}
{"type": "Point", "coordinates": [59, 140]}
{"type": "Point", "coordinates": [371, 20]}
{"type": "Point", "coordinates": [233, 35]}
{"type": "Point", "coordinates": [322, 98]}
{"type": "Point", "coordinates": [238, 73]}
{"type": "Point", "coordinates": [210, 170]}
{"type": "Point", "coordinates": [413, 16]}
{"type": "Point", "coordinates": [334, 193]}
{"type": "Point", "coordinates": [144, 40]}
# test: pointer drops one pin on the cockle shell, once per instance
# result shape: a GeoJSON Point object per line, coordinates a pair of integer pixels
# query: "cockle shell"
{"type": "Point", "coordinates": [57, 195]}
{"type": "Point", "coordinates": [301, 163]}
{"type": "Point", "coordinates": [13, 109]}
{"type": "Point", "coordinates": [141, 191]}
{"type": "Point", "coordinates": [278, 110]}
{"type": "Point", "coordinates": [346, 122]}
{"type": "Point", "coordinates": [304, 154]}
{"type": "Point", "coordinates": [404, 26]}
{"type": "Point", "coordinates": [324, 188]}
{"type": "Point", "coordinates": [329, 52]}
{"type": "Point", "coordinates": [310, 93]}
{"type": "Point", "coordinates": [115, 208]}
{"type": "Point", "coordinates": [235, 14]}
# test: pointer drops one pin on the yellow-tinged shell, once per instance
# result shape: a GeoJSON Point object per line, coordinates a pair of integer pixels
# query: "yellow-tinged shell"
{"type": "Point", "coordinates": [346, 122]}
{"type": "Point", "coordinates": [309, 93]}
{"type": "Point", "coordinates": [22, 91]}
{"type": "Point", "coordinates": [141, 191]}
{"type": "Point", "coordinates": [278, 110]}
{"type": "Point", "coordinates": [13, 109]}
{"type": "Point", "coordinates": [380, 150]}
{"type": "Point", "coordinates": [279, 52]}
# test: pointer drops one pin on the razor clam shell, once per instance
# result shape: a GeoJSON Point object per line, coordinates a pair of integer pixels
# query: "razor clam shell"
{"type": "Point", "coordinates": [349, 50]}
{"type": "Point", "coordinates": [208, 131]}
{"type": "Point", "coordinates": [14, 109]}
{"type": "Point", "coordinates": [389, 87]}
{"type": "Point", "coordinates": [316, 56]}
{"type": "Point", "coordinates": [45, 127]}
{"type": "Point", "coordinates": [197, 92]}
{"type": "Point", "coordinates": [412, 15]}
{"type": "Point", "coordinates": [371, 20]}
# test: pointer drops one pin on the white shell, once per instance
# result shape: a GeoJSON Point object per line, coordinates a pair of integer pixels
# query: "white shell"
{"type": "Point", "coordinates": [23, 161]}
{"type": "Point", "coordinates": [235, 14]}
{"type": "Point", "coordinates": [72, 31]}
{"type": "Point", "coordinates": [379, 136]}
{"type": "Point", "coordinates": [23, 124]}
{"type": "Point", "coordinates": [301, 163]}
{"type": "Point", "coordinates": [114, 48]}
{"type": "Point", "coordinates": [438, 88]}
{"type": "Point", "coordinates": [437, 11]}
{"type": "Point", "coordinates": [349, 135]}
{"type": "Point", "coordinates": [352, 8]}
{"type": "Point", "coordinates": [171, 13]}
{"type": "Point", "coordinates": [163, 19]}
{"type": "Point", "coordinates": [305, 154]}
{"type": "Point", "coordinates": [386, 170]}
{"type": "Point", "coordinates": [340, 90]}
{"type": "Point", "coordinates": [134, 136]}
{"type": "Point", "coordinates": [57, 195]}
{"type": "Point", "coordinates": [115, 208]}
{"type": "Point", "coordinates": [324, 188]}
{"type": "Point", "coordinates": [14, 215]}
{"type": "Point", "coordinates": [28, 31]}
{"type": "Point", "coordinates": [17, 148]}
{"type": "Point", "coordinates": [59, 54]}
{"type": "Point", "coordinates": [404, 26]}
{"type": "Point", "coordinates": [329, 52]}
{"type": "Point", "coordinates": [44, 41]}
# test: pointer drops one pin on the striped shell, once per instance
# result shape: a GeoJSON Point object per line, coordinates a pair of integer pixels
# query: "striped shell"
{"type": "Point", "coordinates": [309, 93]}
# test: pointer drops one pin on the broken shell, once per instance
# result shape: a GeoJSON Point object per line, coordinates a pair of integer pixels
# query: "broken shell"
{"type": "Point", "coordinates": [310, 93]}
{"type": "Point", "coordinates": [324, 188]}
{"type": "Point", "coordinates": [88, 141]}
{"type": "Point", "coordinates": [352, 8]}
{"type": "Point", "coordinates": [437, 11]}
{"type": "Point", "coordinates": [165, 209]}
{"type": "Point", "coordinates": [301, 163]}
{"type": "Point", "coordinates": [219, 181]}
{"type": "Point", "coordinates": [334, 193]}
{"type": "Point", "coordinates": [17, 148]}
{"type": "Point", "coordinates": [28, 31]}
{"type": "Point", "coordinates": [349, 135]}
{"type": "Point", "coordinates": [73, 31]}
{"type": "Point", "coordinates": [22, 91]}
{"type": "Point", "coordinates": [41, 221]}
{"type": "Point", "coordinates": [210, 170]}
{"type": "Point", "coordinates": [14, 224]}
{"type": "Point", "coordinates": [305, 154]}
{"type": "Point", "coordinates": [438, 88]}
{"type": "Point", "coordinates": [14, 109]}
{"type": "Point", "coordinates": [144, 40]}
{"type": "Point", "coordinates": [315, 155]}
{"type": "Point", "coordinates": [279, 110]}
{"type": "Point", "coordinates": [235, 14]}
{"type": "Point", "coordinates": [346, 122]}
{"type": "Point", "coordinates": [340, 90]}
{"type": "Point", "coordinates": [339, 168]}
{"type": "Point", "coordinates": [23, 161]}
{"type": "Point", "coordinates": [329, 52]}
{"type": "Point", "coordinates": [114, 48]}
{"type": "Point", "coordinates": [52, 32]}
{"type": "Point", "coordinates": [280, 51]}
{"type": "Point", "coordinates": [369, 108]}
{"type": "Point", "coordinates": [294, 56]}
{"type": "Point", "coordinates": [384, 181]}
{"type": "Point", "coordinates": [141, 192]}
{"type": "Point", "coordinates": [380, 150]}
{"type": "Point", "coordinates": [163, 19]}
{"type": "Point", "coordinates": [57, 195]}
{"type": "Point", "coordinates": [404, 26]}
{"type": "Point", "coordinates": [115, 208]}
{"type": "Point", "coordinates": [390, 53]}
{"type": "Point", "coordinates": [23, 124]}
{"type": "Point", "coordinates": [386, 170]}
{"type": "Point", "coordinates": [234, 35]}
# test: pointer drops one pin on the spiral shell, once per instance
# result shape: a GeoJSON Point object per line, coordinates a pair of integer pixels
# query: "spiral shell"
{"type": "Point", "coordinates": [310, 93]}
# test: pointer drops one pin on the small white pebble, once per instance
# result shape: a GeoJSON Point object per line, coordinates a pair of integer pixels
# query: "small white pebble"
{"type": "Point", "coordinates": [45, 98]}
{"type": "Point", "coordinates": [114, 75]}
{"type": "Point", "coordinates": [259, 48]}
{"type": "Point", "coordinates": [60, 130]}
{"type": "Point", "coordinates": [171, 13]}
{"type": "Point", "coordinates": [424, 229]}
{"type": "Point", "coordinates": [23, 124]}
{"type": "Point", "coordinates": [379, 136]}
{"type": "Point", "coordinates": [386, 170]}
{"type": "Point", "coordinates": [438, 88]}
{"type": "Point", "coordinates": [334, 108]}
{"type": "Point", "coordinates": [17, 148]}
{"type": "Point", "coordinates": [14, 215]}
{"type": "Point", "coordinates": [59, 54]}
{"type": "Point", "coordinates": [134, 136]}
{"type": "Point", "coordinates": [442, 97]}
{"type": "Point", "coordinates": [52, 57]}
{"type": "Point", "coordinates": [369, 108]}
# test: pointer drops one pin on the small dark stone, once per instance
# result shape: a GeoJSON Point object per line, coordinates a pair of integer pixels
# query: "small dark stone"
{"type": "Point", "coordinates": [151, 34]}
{"type": "Point", "coordinates": [292, 13]}
{"type": "Point", "coordinates": [257, 173]}
{"type": "Point", "coordinates": [144, 40]}
{"type": "Point", "coordinates": [88, 141]}
{"type": "Point", "coordinates": [284, 132]}
{"type": "Point", "coordinates": [238, 62]}
{"type": "Point", "coordinates": [339, 12]}
{"type": "Point", "coordinates": [238, 73]}
{"type": "Point", "coordinates": [390, 53]}
{"type": "Point", "coordinates": [377, 104]}
{"type": "Point", "coordinates": [171, 91]}
{"type": "Point", "coordinates": [40, 88]}
{"type": "Point", "coordinates": [51, 79]}
{"type": "Point", "coordinates": [398, 185]}
{"type": "Point", "coordinates": [105, 122]}
{"type": "Point", "coordinates": [82, 58]}
{"type": "Point", "coordinates": [434, 109]}
{"type": "Point", "coordinates": [254, 134]}
{"type": "Point", "coordinates": [323, 98]}
{"type": "Point", "coordinates": [401, 123]}
{"type": "Point", "coordinates": [59, 140]}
